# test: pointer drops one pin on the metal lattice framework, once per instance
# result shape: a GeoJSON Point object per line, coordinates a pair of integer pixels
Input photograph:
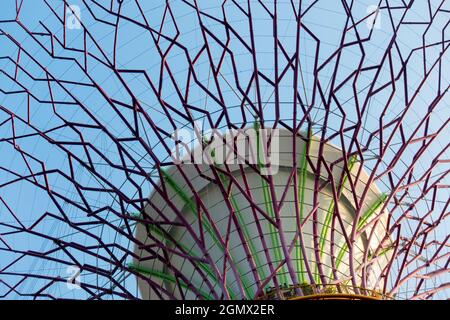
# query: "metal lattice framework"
{"type": "Point", "coordinates": [89, 102]}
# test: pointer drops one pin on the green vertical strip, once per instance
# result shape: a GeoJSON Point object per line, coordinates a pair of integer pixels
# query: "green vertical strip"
{"type": "Point", "coordinates": [382, 253]}
{"type": "Point", "coordinates": [155, 230]}
{"type": "Point", "coordinates": [273, 232]}
{"type": "Point", "coordinates": [301, 192]}
{"type": "Point", "coordinates": [365, 217]}
{"type": "Point", "coordinates": [241, 223]}
{"type": "Point", "coordinates": [329, 216]}
{"type": "Point", "coordinates": [205, 223]}
{"type": "Point", "coordinates": [380, 201]}
{"type": "Point", "coordinates": [169, 278]}
{"type": "Point", "coordinates": [192, 206]}
{"type": "Point", "coordinates": [269, 208]}
{"type": "Point", "coordinates": [247, 235]}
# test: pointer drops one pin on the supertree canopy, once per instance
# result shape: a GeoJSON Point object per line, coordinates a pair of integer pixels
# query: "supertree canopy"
{"type": "Point", "coordinates": [206, 149]}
